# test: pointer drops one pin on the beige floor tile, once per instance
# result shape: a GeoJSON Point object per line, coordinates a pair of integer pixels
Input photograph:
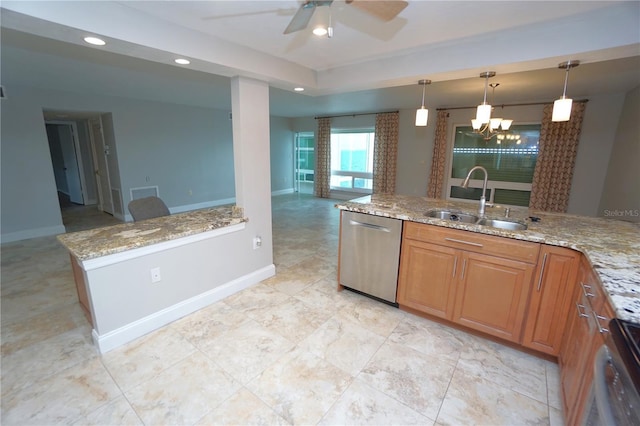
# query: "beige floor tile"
{"type": "Point", "coordinates": [375, 316]}
{"type": "Point", "coordinates": [417, 380]}
{"type": "Point", "coordinates": [209, 323]}
{"type": "Point", "coordinates": [40, 360]}
{"type": "Point", "coordinates": [117, 412]}
{"type": "Point", "coordinates": [364, 405]}
{"type": "Point", "coordinates": [323, 295]}
{"type": "Point", "coordinates": [300, 387]}
{"type": "Point", "coordinates": [62, 397]}
{"type": "Point", "coordinates": [183, 393]}
{"type": "Point", "coordinates": [556, 417]}
{"type": "Point", "coordinates": [505, 366]}
{"type": "Point", "coordinates": [553, 385]}
{"type": "Point", "coordinates": [429, 337]}
{"type": "Point", "coordinates": [247, 350]}
{"type": "Point", "coordinates": [242, 408]}
{"type": "Point", "coordinates": [344, 344]}
{"type": "Point", "coordinates": [474, 400]}
{"type": "Point", "coordinates": [146, 357]}
{"type": "Point", "coordinates": [292, 319]}
{"type": "Point", "coordinates": [296, 278]}
{"type": "Point", "coordinates": [255, 297]}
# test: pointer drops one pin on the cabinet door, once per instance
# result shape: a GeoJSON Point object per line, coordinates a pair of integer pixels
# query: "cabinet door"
{"type": "Point", "coordinates": [551, 299]}
{"type": "Point", "coordinates": [426, 281]}
{"type": "Point", "coordinates": [492, 295]}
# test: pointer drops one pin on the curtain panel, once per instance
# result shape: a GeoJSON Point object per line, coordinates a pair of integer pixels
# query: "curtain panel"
{"type": "Point", "coordinates": [557, 153]}
{"type": "Point", "coordinates": [438, 163]}
{"type": "Point", "coordinates": [385, 153]}
{"type": "Point", "coordinates": [322, 174]}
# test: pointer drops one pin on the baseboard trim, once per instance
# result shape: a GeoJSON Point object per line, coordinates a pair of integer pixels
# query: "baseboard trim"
{"type": "Point", "coordinates": [113, 339]}
{"type": "Point", "coordinates": [32, 233]}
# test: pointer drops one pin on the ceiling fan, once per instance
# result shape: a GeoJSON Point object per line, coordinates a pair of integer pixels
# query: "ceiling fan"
{"type": "Point", "coordinates": [385, 10]}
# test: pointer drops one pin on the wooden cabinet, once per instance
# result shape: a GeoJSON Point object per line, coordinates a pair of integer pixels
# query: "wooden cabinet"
{"type": "Point", "coordinates": [491, 295]}
{"type": "Point", "coordinates": [551, 299]}
{"type": "Point", "coordinates": [426, 281]}
{"type": "Point", "coordinates": [588, 318]}
{"type": "Point", "coordinates": [475, 280]}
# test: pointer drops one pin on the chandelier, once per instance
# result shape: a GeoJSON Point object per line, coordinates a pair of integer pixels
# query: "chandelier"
{"type": "Point", "coordinates": [484, 124]}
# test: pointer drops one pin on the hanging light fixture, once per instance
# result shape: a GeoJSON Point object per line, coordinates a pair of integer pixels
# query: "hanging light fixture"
{"type": "Point", "coordinates": [562, 106]}
{"type": "Point", "coordinates": [492, 126]}
{"type": "Point", "coordinates": [483, 112]}
{"type": "Point", "coordinates": [422, 114]}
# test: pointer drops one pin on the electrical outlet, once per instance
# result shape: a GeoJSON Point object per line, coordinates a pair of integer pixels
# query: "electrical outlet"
{"type": "Point", "coordinates": [257, 242]}
{"type": "Point", "coordinates": [155, 275]}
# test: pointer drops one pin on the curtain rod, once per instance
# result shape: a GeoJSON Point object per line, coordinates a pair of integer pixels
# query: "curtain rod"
{"type": "Point", "coordinates": [508, 105]}
{"type": "Point", "coordinates": [353, 115]}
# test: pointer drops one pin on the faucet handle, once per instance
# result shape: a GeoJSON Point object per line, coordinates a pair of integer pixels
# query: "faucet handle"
{"type": "Point", "coordinates": [507, 211]}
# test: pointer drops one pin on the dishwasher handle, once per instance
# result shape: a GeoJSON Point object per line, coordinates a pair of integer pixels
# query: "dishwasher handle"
{"type": "Point", "coordinates": [369, 225]}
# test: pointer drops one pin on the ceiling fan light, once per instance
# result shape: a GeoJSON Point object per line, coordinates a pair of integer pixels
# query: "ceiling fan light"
{"type": "Point", "coordinates": [422, 116]}
{"type": "Point", "coordinates": [483, 113]}
{"type": "Point", "coordinates": [562, 109]}
{"type": "Point", "coordinates": [320, 31]}
{"type": "Point", "coordinates": [506, 124]}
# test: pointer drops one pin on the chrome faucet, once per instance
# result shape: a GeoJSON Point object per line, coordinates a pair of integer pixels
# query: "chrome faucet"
{"type": "Point", "coordinates": [483, 199]}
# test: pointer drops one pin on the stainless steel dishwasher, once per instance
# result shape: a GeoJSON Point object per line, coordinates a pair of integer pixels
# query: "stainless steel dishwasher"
{"type": "Point", "coordinates": [370, 254]}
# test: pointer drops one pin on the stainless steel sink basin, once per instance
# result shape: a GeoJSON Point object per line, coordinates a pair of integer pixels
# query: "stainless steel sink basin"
{"type": "Point", "coordinates": [503, 224]}
{"type": "Point", "coordinates": [452, 216]}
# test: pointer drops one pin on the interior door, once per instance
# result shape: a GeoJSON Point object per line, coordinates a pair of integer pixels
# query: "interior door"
{"type": "Point", "coordinates": [70, 158]}
{"type": "Point", "coordinates": [105, 202]}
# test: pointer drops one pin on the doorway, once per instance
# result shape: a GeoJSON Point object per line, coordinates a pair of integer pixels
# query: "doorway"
{"type": "Point", "coordinates": [77, 146]}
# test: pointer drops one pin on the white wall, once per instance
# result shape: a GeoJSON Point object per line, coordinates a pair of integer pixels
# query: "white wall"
{"type": "Point", "coordinates": [621, 191]}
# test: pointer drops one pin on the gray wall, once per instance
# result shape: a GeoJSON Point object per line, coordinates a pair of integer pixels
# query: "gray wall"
{"type": "Point", "coordinates": [621, 193]}
{"type": "Point", "coordinates": [187, 151]}
{"type": "Point", "coordinates": [281, 147]}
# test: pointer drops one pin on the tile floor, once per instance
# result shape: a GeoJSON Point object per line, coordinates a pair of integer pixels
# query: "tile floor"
{"type": "Point", "coordinates": [290, 350]}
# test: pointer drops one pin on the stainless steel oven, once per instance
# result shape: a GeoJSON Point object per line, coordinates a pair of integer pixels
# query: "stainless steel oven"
{"type": "Point", "coordinates": [615, 399]}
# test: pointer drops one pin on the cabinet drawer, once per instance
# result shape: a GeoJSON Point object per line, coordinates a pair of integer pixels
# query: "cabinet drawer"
{"type": "Point", "coordinates": [474, 242]}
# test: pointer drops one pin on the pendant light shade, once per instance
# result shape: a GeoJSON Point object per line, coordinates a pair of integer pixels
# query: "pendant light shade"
{"type": "Point", "coordinates": [562, 106]}
{"type": "Point", "coordinates": [422, 114]}
{"type": "Point", "coordinates": [483, 112]}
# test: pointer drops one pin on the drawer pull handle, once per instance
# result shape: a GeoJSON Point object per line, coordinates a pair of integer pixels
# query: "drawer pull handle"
{"type": "Point", "coordinates": [544, 263]}
{"type": "Point", "coordinates": [586, 290]}
{"type": "Point", "coordinates": [580, 313]}
{"type": "Point", "coordinates": [455, 266]}
{"type": "Point", "coordinates": [601, 329]}
{"type": "Point", "coordinates": [464, 267]}
{"type": "Point", "coordinates": [453, 240]}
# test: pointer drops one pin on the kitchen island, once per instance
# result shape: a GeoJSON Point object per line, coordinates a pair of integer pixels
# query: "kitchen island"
{"type": "Point", "coordinates": [542, 282]}
{"type": "Point", "coordinates": [133, 278]}
{"type": "Point", "coordinates": [612, 247]}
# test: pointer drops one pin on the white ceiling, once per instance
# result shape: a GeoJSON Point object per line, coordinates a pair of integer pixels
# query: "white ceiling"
{"type": "Point", "coordinates": [367, 66]}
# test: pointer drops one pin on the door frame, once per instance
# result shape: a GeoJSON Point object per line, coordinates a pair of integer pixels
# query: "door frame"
{"type": "Point", "coordinates": [105, 204]}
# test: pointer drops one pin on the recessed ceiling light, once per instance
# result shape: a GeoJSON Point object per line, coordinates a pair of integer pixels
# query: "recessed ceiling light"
{"type": "Point", "coordinates": [299, 89]}
{"type": "Point", "coordinates": [320, 31]}
{"type": "Point", "coordinates": [182, 61]}
{"type": "Point", "coordinates": [95, 41]}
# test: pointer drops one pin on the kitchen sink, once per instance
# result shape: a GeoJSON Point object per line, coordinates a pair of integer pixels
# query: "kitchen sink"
{"type": "Point", "coordinates": [503, 224]}
{"type": "Point", "coordinates": [452, 216]}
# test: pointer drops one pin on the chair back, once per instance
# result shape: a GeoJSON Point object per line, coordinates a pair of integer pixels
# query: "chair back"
{"type": "Point", "coordinates": [147, 208]}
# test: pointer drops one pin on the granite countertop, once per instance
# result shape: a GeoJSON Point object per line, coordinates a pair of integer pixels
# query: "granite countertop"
{"type": "Point", "coordinates": [94, 243]}
{"type": "Point", "coordinates": [611, 246]}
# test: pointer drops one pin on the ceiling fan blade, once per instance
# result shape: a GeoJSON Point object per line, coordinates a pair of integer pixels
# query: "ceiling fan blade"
{"type": "Point", "coordinates": [301, 19]}
{"type": "Point", "coordinates": [385, 10]}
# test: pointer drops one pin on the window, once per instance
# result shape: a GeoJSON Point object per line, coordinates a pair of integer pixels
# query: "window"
{"type": "Point", "coordinates": [510, 160]}
{"type": "Point", "coordinates": [352, 160]}
{"type": "Point", "coordinates": [304, 162]}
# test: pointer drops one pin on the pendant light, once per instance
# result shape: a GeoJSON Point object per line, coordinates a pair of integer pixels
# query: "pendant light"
{"type": "Point", "coordinates": [562, 106]}
{"type": "Point", "coordinates": [422, 114]}
{"type": "Point", "coordinates": [483, 112]}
